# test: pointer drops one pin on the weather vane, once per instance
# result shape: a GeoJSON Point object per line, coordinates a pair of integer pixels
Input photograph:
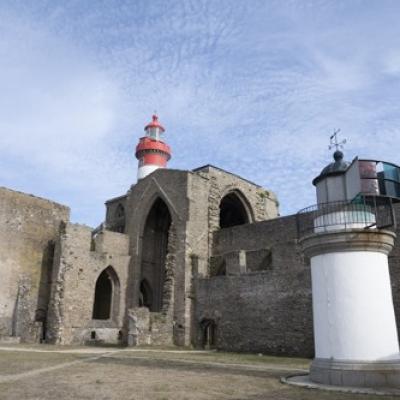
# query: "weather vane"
{"type": "Point", "coordinates": [334, 141]}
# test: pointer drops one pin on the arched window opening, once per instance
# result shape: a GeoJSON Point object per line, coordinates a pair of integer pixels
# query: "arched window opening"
{"type": "Point", "coordinates": [232, 211]}
{"type": "Point", "coordinates": [209, 333]}
{"type": "Point", "coordinates": [120, 219]}
{"type": "Point", "coordinates": [106, 296]}
{"type": "Point", "coordinates": [146, 296]}
{"type": "Point", "coordinates": [154, 251]}
{"type": "Point", "coordinates": [120, 211]}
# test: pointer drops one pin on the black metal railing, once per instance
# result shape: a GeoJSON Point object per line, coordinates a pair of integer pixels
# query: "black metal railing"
{"type": "Point", "coordinates": [364, 212]}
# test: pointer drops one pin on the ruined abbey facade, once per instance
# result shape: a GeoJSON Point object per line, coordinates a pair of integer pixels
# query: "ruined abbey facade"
{"type": "Point", "coordinates": [189, 258]}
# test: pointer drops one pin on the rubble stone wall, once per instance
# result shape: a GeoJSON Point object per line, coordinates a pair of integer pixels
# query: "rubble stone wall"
{"type": "Point", "coordinates": [394, 268]}
{"type": "Point", "coordinates": [170, 186]}
{"type": "Point", "coordinates": [268, 308]}
{"type": "Point", "coordinates": [267, 311]}
{"type": "Point", "coordinates": [28, 228]}
{"type": "Point", "coordinates": [78, 262]}
{"type": "Point", "coordinates": [261, 204]}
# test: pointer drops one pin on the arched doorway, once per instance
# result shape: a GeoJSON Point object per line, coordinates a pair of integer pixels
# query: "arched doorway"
{"type": "Point", "coordinates": [106, 295]}
{"type": "Point", "coordinates": [232, 211]}
{"type": "Point", "coordinates": [209, 333]}
{"type": "Point", "coordinates": [154, 251]}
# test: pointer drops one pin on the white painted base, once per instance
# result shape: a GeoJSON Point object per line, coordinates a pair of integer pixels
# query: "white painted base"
{"type": "Point", "coordinates": [145, 170]}
{"type": "Point", "coordinates": [353, 307]}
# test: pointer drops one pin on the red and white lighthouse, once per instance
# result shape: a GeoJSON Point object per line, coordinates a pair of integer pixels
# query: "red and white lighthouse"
{"type": "Point", "coordinates": [152, 152]}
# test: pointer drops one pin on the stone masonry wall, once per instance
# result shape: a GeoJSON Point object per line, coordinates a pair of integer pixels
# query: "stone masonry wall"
{"type": "Point", "coordinates": [78, 262]}
{"type": "Point", "coordinates": [196, 245]}
{"type": "Point", "coordinates": [168, 326]}
{"type": "Point", "coordinates": [114, 221]}
{"type": "Point", "coordinates": [28, 228]}
{"type": "Point", "coordinates": [394, 268]}
{"type": "Point", "coordinates": [261, 204]}
{"type": "Point", "coordinates": [267, 311]}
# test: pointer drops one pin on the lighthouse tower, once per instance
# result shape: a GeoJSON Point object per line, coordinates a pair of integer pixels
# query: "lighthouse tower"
{"type": "Point", "coordinates": [347, 239]}
{"type": "Point", "coordinates": [151, 151]}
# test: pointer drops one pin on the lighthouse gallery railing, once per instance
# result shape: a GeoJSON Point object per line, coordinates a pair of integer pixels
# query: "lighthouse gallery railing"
{"type": "Point", "coordinates": [364, 212]}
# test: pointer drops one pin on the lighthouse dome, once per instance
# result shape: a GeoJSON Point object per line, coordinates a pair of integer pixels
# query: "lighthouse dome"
{"type": "Point", "coordinates": [337, 167]}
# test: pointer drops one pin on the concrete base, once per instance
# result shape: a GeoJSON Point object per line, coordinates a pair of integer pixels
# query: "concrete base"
{"type": "Point", "coordinates": [357, 374]}
{"type": "Point", "coordinates": [305, 382]}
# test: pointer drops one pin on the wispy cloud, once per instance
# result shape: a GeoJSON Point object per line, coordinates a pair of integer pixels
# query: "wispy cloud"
{"type": "Point", "coordinates": [255, 87]}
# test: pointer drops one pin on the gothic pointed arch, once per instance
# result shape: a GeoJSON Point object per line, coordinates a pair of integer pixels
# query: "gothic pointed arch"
{"type": "Point", "coordinates": [106, 295]}
{"type": "Point", "coordinates": [234, 210]}
{"type": "Point", "coordinates": [154, 252]}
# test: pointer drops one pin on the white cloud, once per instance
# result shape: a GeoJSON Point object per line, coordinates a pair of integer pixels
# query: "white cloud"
{"type": "Point", "coordinates": [256, 87]}
{"type": "Point", "coordinates": [58, 110]}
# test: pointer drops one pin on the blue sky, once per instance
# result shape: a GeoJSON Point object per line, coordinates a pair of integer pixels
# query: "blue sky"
{"type": "Point", "coordinates": [254, 87]}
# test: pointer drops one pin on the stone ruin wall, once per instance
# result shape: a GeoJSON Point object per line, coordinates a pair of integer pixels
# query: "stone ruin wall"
{"type": "Point", "coordinates": [78, 262]}
{"type": "Point", "coordinates": [113, 222]}
{"type": "Point", "coordinates": [263, 303]}
{"type": "Point", "coordinates": [263, 204]}
{"type": "Point", "coordinates": [394, 268]}
{"type": "Point", "coordinates": [28, 229]}
{"type": "Point", "coordinates": [168, 326]}
{"type": "Point", "coordinates": [205, 189]}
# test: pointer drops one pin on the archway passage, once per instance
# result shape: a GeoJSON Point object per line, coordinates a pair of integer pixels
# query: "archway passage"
{"type": "Point", "coordinates": [232, 211]}
{"type": "Point", "coordinates": [154, 251]}
{"type": "Point", "coordinates": [106, 295]}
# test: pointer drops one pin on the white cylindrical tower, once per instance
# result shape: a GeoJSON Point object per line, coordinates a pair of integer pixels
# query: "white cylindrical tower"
{"type": "Point", "coordinates": [355, 333]}
{"type": "Point", "coordinates": [151, 152]}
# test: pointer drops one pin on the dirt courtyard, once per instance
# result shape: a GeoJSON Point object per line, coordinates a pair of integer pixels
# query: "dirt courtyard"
{"type": "Point", "coordinates": [50, 372]}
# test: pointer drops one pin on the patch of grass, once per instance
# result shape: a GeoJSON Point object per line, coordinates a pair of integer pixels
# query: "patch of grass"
{"type": "Point", "coordinates": [148, 375]}
{"type": "Point", "coordinates": [15, 362]}
{"type": "Point", "coordinates": [223, 357]}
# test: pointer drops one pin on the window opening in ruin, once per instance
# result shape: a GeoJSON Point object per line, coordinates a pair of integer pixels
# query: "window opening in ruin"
{"type": "Point", "coordinates": [120, 212]}
{"type": "Point", "coordinates": [221, 270]}
{"type": "Point", "coordinates": [120, 219]}
{"type": "Point", "coordinates": [154, 252]}
{"type": "Point", "coordinates": [209, 331]}
{"type": "Point", "coordinates": [93, 335]}
{"type": "Point", "coordinates": [106, 297]}
{"type": "Point", "coordinates": [146, 297]}
{"type": "Point", "coordinates": [232, 211]}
